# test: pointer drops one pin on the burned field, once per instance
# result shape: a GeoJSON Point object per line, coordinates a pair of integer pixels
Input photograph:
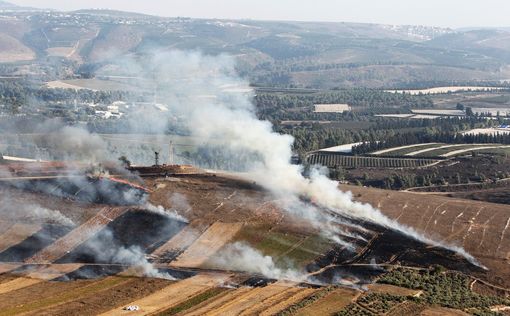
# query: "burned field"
{"type": "Point", "coordinates": [204, 244]}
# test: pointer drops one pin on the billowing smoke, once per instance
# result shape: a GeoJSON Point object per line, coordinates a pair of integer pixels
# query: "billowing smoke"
{"type": "Point", "coordinates": [241, 257]}
{"type": "Point", "coordinates": [16, 211]}
{"type": "Point", "coordinates": [105, 248]}
{"type": "Point", "coordinates": [216, 107]}
{"type": "Point", "coordinates": [205, 97]}
{"type": "Point", "coordinates": [160, 210]}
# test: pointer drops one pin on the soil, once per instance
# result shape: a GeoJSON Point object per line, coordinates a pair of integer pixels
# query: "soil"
{"type": "Point", "coordinates": [105, 300]}
{"type": "Point", "coordinates": [222, 209]}
{"type": "Point", "coordinates": [479, 227]}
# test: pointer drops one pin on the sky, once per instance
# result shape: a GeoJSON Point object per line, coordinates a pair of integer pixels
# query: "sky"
{"type": "Point", "coordinates": [445, 13]}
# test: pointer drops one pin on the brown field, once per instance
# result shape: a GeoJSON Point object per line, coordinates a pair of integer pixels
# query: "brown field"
{"type": "Point", "coordinates": [331, 303]}
{"type": "Point", "coordinates": [16, 234]}
{"type": "Point", "coordinates": [253, 301]}
{"type": "Point", "coordinates": [222, 209]}
{"type": "Point", "coordinates": [179, 242]}
{"type": "Point", "coordinates": [35, 276]}
{"type": "Point", "coordinates": [89, 84]}
{"type": "Point", "coordinates": [14, 50]}
{"type": "Point", "coordinates": [214, 238]}
{"type": "Point", "coordinates": [294, 299]}
{"type": "Point", "coordinates": [6, 267]}
{"type": "Point", "coordinates": [77, 236]}
{"type": "Point", "coordinates": [4, 225]}
{"type": "Point", "coordinates": [49, 272]}
{"type": "Point", "coordinates": [481, 228]}
{"type": "Point", "coordinates": [104, 300]}
{"type": "Point", "coordinates": [61, 51]}
{"type": "Point", "coordinates": [52, 298]}
{"type": "Point", "coordinates": [17, 284]}
{"type": "Point", "coordinates": [172, 295]}
{"type": "Point", "coordinates": [393, 290]}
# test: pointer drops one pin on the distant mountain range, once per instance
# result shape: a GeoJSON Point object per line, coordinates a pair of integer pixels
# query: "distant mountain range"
{"type": "Point", "coordinates": [4, 5]}
{"type": "Point", "coordinates": [303, 54]}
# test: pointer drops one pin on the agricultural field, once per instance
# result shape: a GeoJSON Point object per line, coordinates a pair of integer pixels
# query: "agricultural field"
{"type": "Point", "coordinates": [443, 90]}
{"type": "Point", "coordinates": [439, 112]}
{"type": "Point", "coordinates": [439, 150]}
{"type": "Point", "coordinates": [333, 160]}
{"type": "Point", "coordinates": [90, 84]}
{"type": "Point", "coordinates": [184, 275]}
{"type": "Point", "coordinates": [487, 131]}
{"type": "Point", "coordinates": [404, 150]}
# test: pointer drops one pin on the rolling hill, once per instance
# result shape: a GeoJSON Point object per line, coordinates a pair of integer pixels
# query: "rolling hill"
{"type": "Point", "coordinates": [306, 54]}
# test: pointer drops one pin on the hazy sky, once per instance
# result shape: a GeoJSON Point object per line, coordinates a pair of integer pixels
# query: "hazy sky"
{"type": "Point", "coordinates": [451, 13]}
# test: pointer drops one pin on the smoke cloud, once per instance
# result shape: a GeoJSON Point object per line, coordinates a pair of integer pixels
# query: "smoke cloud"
{"type": "Point", "coordinates": [228, 120]}
{"type": "Point", "coordinates": [241, 257]}
{"type": "Point", "coordinates": [204, 97]}
{"type": "Point", "coordinates": [13, 210]}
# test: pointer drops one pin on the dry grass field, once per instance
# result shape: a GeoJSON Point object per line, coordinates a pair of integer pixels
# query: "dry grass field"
{"type": "Point", "coordinates": [222, 209]}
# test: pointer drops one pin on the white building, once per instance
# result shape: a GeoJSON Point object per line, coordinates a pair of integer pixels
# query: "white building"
{"type": "Point", "coordinates": [331, 108]}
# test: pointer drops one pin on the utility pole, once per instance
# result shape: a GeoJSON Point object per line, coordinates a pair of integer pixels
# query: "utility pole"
{"type": "Point", "coordinates": [171, 153]}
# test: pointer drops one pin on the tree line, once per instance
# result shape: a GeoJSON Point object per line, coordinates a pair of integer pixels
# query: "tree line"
{"type": "Point", "coordinates": [418, 137]}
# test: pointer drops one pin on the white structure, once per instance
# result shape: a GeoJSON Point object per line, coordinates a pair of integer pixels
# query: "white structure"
{"type": "Point", "coordinates": [331, 108]}
{"type": "Point", "coordinates": [131, 308]}
{"type": "Point", "coordinates": [345, 148]}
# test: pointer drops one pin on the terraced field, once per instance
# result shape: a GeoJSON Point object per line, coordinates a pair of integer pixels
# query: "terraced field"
{"type": "Point", "coordinates": [83, 269]}
{"type": "Point", "coordinates": [439, 150]}
{"type": "Point", "coordinates": [333, 160]}
{"type": "Point", "coordinates": [404, 150]}
{"type": "Point", "coordinates": [483, 229]}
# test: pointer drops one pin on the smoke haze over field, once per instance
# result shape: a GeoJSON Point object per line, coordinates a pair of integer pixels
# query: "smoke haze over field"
{"type": "Point", "coordinates": [228, 121]}
{"type": "Point", "coordinates": [215, 106]}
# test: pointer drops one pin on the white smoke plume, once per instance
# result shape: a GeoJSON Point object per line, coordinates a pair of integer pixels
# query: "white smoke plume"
{"type": "Point", "coordinates": [241, 257]}
{"type": "Point", "coordinates": [104, 248]}
{"type": "Point", "coordinates": [135, 257]}
{"type": "Point", "coordinates": [164, 212]}
{"type": "Point", "coordinates": [215, 106]}
{"type": "Point", "coordinates": [14, 210]}
{"type": "Point", "coordinates": [229, 120]}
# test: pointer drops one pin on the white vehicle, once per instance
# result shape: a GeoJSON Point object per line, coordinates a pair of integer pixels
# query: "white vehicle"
{"type": "Point", "coordinates": [132, 308]}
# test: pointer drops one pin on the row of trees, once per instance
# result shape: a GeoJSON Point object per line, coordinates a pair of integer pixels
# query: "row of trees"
{"type": "Point", "coordinates": [446, 289]}
{"type": "Point", "coordinates": [283, 106]}
{"type": "Point", "coordinates": [17, 93]}
{"type": "Point", "coordinates": [383, 133]}
{"type": "Point", "coordinates": [419, 137]}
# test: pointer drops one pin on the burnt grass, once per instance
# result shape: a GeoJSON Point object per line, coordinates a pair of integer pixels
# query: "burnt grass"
{"type": "Point", "coordinates": [85, 189]}
{"type": "Point", "coordinates": [91, 272]}
{"type": "Point", "coordinates": [258, 281]}
{"type": "Point", "coordinates": [30, 246]}
{"type": "Point", "coordinates": [126, 239]}
{"type": "Point", "coordinates": [389, 247]}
